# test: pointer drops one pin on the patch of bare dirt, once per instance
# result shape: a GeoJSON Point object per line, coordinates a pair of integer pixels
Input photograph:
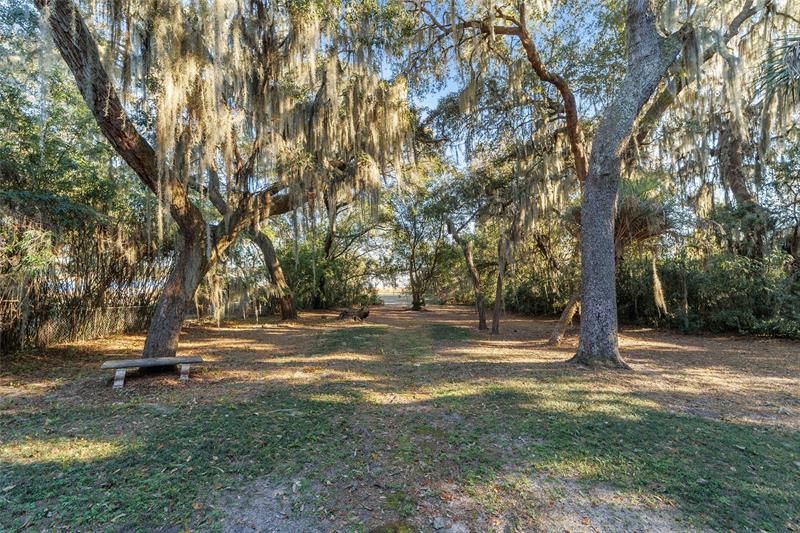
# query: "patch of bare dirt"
{"type": "Point", "coordinates": [572, 507]}
{"type": "Point", "coordinates": [264, 507]}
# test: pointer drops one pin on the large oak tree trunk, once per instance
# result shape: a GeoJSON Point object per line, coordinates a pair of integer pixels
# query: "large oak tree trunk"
{"type": "Point", "coordinates": [598, 341]}
{"type": "Point", "coordinates": [285, 298]}
{"type": "Point", "coordinates": [649, 57]}
{"type": "Point", "coordinates": [191, 266]}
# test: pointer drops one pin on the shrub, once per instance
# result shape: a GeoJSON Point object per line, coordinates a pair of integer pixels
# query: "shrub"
{"type": "Point", "coordinates": [724, 292]}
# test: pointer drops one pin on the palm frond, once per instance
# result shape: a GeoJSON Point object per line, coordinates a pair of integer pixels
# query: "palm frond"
{"type": "Point", "coordinates": [780, 72]}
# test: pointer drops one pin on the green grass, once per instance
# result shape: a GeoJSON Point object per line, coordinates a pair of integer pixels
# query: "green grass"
{"type": "Point", "coordinates": [401, 502]}
{"type": "Point", "coordinates": [135, 463]}
{"type": "Point", "coordinates": [159, 466]}
{"type": "Point", "coordinates": [720, 474]}
{"type": "Point", "coordinates": [363, 339]}
{"type": "Point", "coordinates": [446, 332]}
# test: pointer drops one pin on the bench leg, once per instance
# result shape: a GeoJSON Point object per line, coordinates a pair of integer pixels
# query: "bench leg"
{"type": "Point", "coordinates": [185, 372]}
{"type": "Point", "coordinates": [119, 378]}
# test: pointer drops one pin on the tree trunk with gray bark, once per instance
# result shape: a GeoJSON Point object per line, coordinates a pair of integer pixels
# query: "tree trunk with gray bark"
{"type": "Point", "coordinates": [649, 57]}
{"type": "Point", "coordinates": [498, 293]}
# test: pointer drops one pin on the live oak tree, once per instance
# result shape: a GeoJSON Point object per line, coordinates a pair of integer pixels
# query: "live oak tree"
{"type": "Point", "coordinates": [243, 101]}
{"type": "Point", "coordinates": [419, 229]}
{"type": "Point", "coordinates": [663, 54]}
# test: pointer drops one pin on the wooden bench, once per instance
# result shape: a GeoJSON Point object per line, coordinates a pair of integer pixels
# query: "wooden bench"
{"type": "Point", "coordinates": [122, 365]}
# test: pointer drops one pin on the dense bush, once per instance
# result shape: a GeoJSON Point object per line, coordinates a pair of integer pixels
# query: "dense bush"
{"type": "Point", "coordinates": [536, 296]}
{"type": "Point", "coordinates": [723, 292]}
{"type": "Point", "coordinates": [347, 278]}
{"type": "Point", "coordinates": [69, 273]}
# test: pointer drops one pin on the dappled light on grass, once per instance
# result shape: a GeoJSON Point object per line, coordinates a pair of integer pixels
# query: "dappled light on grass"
{"type": "Point", "coordinates": [293, 375]}
{"type": "Point", "coordinates": [329, 398]}
{"type": "Point", "coordinates": [338, 357]}
{"type": "Point", "coordinates": [61, 450]}
{"type": "Point", "coordinates": [10, 389]}
{"type": "Point", "coordinates": [189, 348]}
{"type": "Point", "coordinates": [622, 409]}
{"type": "Point", "coordinates": [628, 342]}
{"type": "Point", "coordinates": [415, 416]}
{"type": "Point", "coordinates": [563, 503]}
{"type": "Point", "coordinates": [547, 397]}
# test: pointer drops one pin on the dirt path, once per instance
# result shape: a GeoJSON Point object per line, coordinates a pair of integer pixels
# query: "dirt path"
{"type": "Point", "coordinates": [417, 421]}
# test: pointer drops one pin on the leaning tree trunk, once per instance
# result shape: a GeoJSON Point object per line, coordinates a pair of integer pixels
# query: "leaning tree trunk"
{"type": "Point", "coordinates": [285, 298]}
{"type": "Point", "coordinates": [566, 318]}
{"type": "Point", "coordinates": [474, 274]}
{"type": "Point", "coordinates": [191, 265]}
{"type": "Point", "coordinates": [79, 50]}
{"type": "Point", "coordinates": [649, 57]}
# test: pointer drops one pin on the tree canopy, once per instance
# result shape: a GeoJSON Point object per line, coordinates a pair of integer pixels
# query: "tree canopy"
{"type": "Point", "coordinates": [566, 151]}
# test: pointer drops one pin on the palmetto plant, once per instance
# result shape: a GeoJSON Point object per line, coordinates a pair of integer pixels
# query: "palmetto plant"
{"type": "Point", "coordinates": [641, 215]}
{"type": "Point", "coordinates": [781, 69]}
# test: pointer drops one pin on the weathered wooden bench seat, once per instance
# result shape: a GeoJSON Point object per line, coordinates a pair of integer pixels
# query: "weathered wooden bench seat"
{"type": "Point", "coordinates": [122, 365]}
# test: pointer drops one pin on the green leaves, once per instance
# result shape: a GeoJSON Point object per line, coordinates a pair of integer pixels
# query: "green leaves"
{"type": "Point", "coordinates": [781, 69]}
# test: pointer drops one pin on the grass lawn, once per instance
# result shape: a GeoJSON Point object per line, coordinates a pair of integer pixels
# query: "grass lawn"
{"type": "Point", "coordinates": [410, 421]}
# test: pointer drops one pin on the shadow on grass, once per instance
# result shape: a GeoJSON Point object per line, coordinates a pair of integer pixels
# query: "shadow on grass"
{"type": "Point", "coordinates": [168, 457]}
{"type": "Point", "coordinates": [151, 462]}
